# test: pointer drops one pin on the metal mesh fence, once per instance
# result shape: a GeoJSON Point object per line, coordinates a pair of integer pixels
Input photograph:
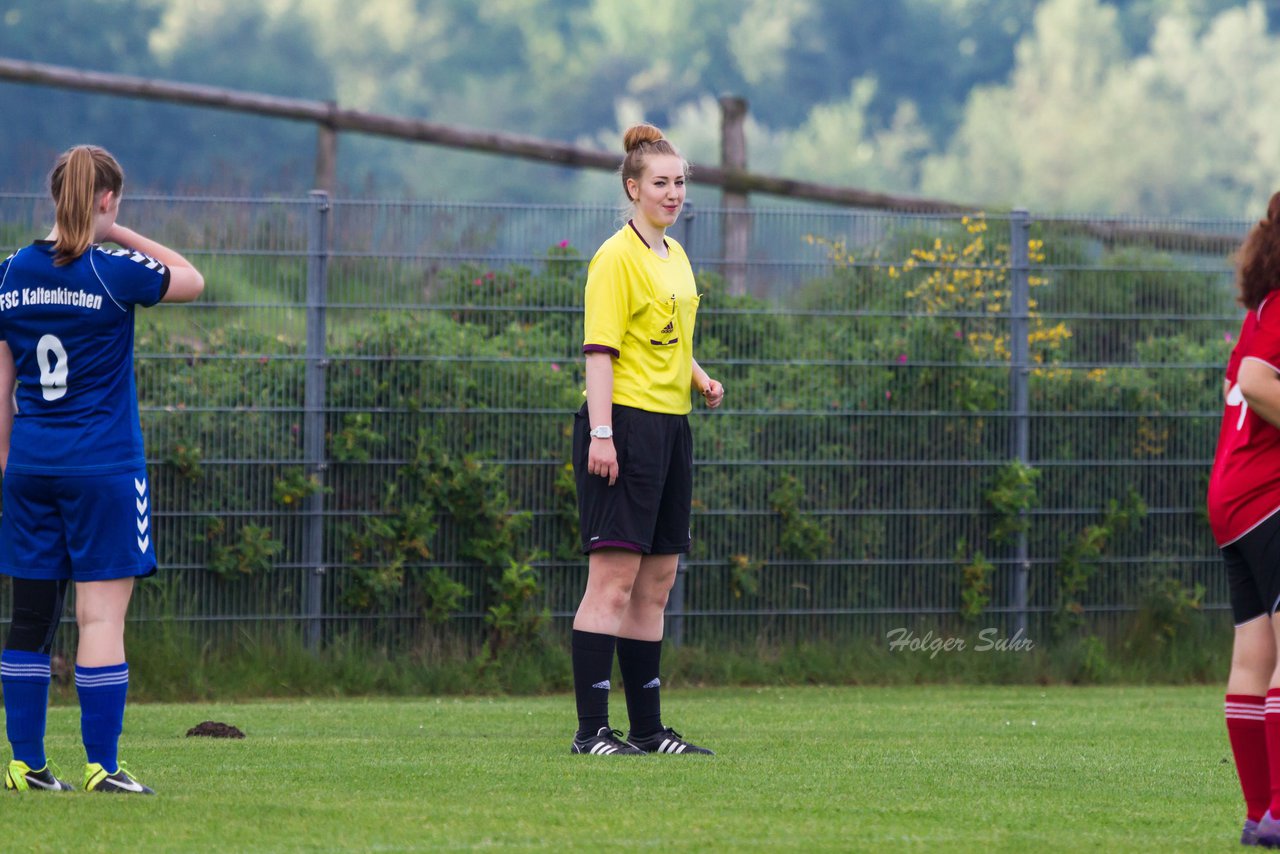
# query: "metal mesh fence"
{"type": "Point", "coordinates": [370, 390]}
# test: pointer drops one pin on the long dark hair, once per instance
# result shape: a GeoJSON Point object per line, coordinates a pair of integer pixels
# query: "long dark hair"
{"type": "Point", "coordinates": [1258, 259]}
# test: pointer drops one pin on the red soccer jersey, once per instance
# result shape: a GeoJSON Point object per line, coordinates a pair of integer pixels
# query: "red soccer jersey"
{"type": "Point", "coordinates": [1244, 487]}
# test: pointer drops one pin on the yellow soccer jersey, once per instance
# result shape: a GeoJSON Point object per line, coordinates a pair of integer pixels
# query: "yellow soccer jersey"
{"type": "Point", "coordinates": [641, 309]}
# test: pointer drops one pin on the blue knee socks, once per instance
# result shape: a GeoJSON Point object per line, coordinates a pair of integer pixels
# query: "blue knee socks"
{"type": "Point", "coordinates": [102, 693]}
{"type": "Point", "coordinates": [25, 677]}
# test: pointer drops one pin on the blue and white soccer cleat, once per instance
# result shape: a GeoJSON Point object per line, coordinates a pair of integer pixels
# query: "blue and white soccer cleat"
{"type": "Point", "coordinates": [1267, 832]}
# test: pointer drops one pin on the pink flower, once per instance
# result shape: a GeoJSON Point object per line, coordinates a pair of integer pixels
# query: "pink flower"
{"type": "Point", "coordinates": [959, 334]}
{"type": "Point", "coordinates": [564, 244]}
{"type": "Point", "coordinates": [1226, 336]}
{"type": "Point", "coordinates": [477, 282]}
{"type": "Point", "coordinates": [902, 358]}
{"type": "Point", "coordinates": [888, 395]}
{"type": "Point", "coordinates": [555, 367]}
{"type": "Point", "coordinates": [489, 275]}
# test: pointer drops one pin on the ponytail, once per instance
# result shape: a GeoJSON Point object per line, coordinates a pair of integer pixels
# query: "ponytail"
{"type": "Point", "coordinates": [79, 176]}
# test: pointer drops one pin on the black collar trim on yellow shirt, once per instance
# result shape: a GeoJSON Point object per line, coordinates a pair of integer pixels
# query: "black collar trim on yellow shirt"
{"type": "Point", "coordinates": [632, 223]}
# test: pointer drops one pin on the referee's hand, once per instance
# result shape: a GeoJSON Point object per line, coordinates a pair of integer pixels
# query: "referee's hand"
{"type": "Point", "coordinates": [713, 393]}
{"type": "Point", "coordinates": [602, 459]}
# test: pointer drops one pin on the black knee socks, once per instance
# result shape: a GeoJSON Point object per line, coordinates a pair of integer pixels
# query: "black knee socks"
{"type": "Point", "coordinates": [639, 662]}
{"type": "Point", "coordinates": [592, 669]}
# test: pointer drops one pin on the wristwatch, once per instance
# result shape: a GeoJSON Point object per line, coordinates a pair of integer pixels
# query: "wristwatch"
{"type": "Point", "coordinates": [604, 431]}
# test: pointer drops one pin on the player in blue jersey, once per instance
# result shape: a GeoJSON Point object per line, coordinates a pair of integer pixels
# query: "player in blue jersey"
{"type": "Point", "coordinates": [77, 503]}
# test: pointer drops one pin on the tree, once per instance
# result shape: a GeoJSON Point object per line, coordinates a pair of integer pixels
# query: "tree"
{"type": "Point", "coordinates": [99, 34]}
{"type": "Point", "coordinates": [1082, 127]}
{"type": "Point", "coordinates": [163, 146]}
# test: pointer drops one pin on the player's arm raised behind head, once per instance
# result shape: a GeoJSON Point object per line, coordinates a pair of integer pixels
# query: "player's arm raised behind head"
{"type": "Point", "coordinates": [185, 281]}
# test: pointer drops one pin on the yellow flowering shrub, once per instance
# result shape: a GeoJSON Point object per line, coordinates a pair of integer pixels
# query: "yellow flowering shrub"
{"type": "Point", "coordinates": [973, 279]}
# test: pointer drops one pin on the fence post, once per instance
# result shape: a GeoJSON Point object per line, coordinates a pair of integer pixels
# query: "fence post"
{"type": "Point", "coordinates": [675, 606]}
{"type": "Point", "coordinates": [314, 411]}
{"type": "Point", "coordinates": [737, 221]}
{"type": "Point", "coordinates": [1019, 373]}
{"type": "Point", "coordinates": [327, 153]}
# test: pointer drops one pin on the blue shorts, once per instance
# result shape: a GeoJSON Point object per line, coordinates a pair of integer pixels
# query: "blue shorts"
{"type": "Point", "coordinates": [83, 527]}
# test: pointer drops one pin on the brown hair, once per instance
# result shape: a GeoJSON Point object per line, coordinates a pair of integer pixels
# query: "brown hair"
{"type": "Point", "coordinates": [1258, 259]}
{"type": "Point", "coordinates": [639, 142]}
{"type": "Point", "coordinates": [78, 176]}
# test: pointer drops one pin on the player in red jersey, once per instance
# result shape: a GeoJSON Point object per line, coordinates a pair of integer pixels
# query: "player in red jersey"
{"type": "Point", "coordinates": [1243, 503]}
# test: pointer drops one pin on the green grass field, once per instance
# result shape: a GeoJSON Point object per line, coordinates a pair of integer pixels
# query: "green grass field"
{"type": "Point", "coordinates": [874, 769]}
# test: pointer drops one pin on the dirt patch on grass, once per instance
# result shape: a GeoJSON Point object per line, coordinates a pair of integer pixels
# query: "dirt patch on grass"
{"type": "Point", "coordinates": [215, 729]}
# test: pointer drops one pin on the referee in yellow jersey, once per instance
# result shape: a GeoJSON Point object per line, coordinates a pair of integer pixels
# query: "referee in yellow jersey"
{"type": "Point", "coordinates": [633, 452]}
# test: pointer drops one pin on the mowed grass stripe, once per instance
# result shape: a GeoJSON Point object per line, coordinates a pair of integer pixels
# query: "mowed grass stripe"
{"type": "Point", "coordinates": [877, 769]}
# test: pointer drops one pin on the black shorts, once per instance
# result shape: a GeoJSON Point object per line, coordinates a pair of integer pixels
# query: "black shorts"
{"type": "Point", "coordinates": [1253, 571]}
{"type": "Point", "coordinates": [647, 509]}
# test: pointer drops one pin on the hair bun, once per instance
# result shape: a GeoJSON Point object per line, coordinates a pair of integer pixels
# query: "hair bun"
{"type": "Point", "coordinates": [638, 135]}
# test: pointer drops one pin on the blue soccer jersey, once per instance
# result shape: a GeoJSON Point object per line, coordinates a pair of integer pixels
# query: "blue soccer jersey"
{"type": "Point", "coordinates": [70, 330]}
